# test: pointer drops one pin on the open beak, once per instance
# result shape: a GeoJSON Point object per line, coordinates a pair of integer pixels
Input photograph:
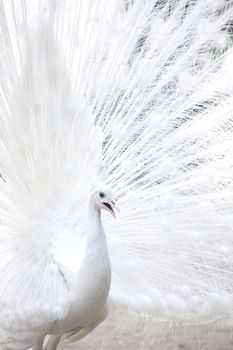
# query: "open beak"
{"type": "Point", "coordinates": [111, 207]}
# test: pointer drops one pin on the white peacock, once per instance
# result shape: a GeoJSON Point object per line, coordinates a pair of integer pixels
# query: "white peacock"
{"type": "Point", "coordinates": [135, 94]}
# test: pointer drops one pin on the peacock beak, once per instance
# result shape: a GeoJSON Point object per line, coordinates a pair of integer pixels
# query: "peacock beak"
{"type": "Point", "coordinates": [111, 207]}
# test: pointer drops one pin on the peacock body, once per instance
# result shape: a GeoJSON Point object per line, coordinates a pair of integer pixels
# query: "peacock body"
{"type": "Point", "coordinates": [135, 95]}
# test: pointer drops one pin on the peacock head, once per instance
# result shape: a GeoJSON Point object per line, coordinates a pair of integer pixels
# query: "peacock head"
{"type": "Point", "coordinates": [104, 200]}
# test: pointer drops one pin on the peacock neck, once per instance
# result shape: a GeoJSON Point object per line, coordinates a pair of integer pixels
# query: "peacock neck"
{"type": "Point", "coordinates": [95, 218]}
{"type": "Point", "coordinates": [94, 210]}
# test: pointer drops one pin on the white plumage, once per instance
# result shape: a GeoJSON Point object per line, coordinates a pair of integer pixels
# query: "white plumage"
{"type": "Point", "coordinates": [136, 95]}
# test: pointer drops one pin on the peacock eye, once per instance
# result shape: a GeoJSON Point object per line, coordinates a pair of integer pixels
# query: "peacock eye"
{"type": "Point", "coordinates": [102, 194]}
